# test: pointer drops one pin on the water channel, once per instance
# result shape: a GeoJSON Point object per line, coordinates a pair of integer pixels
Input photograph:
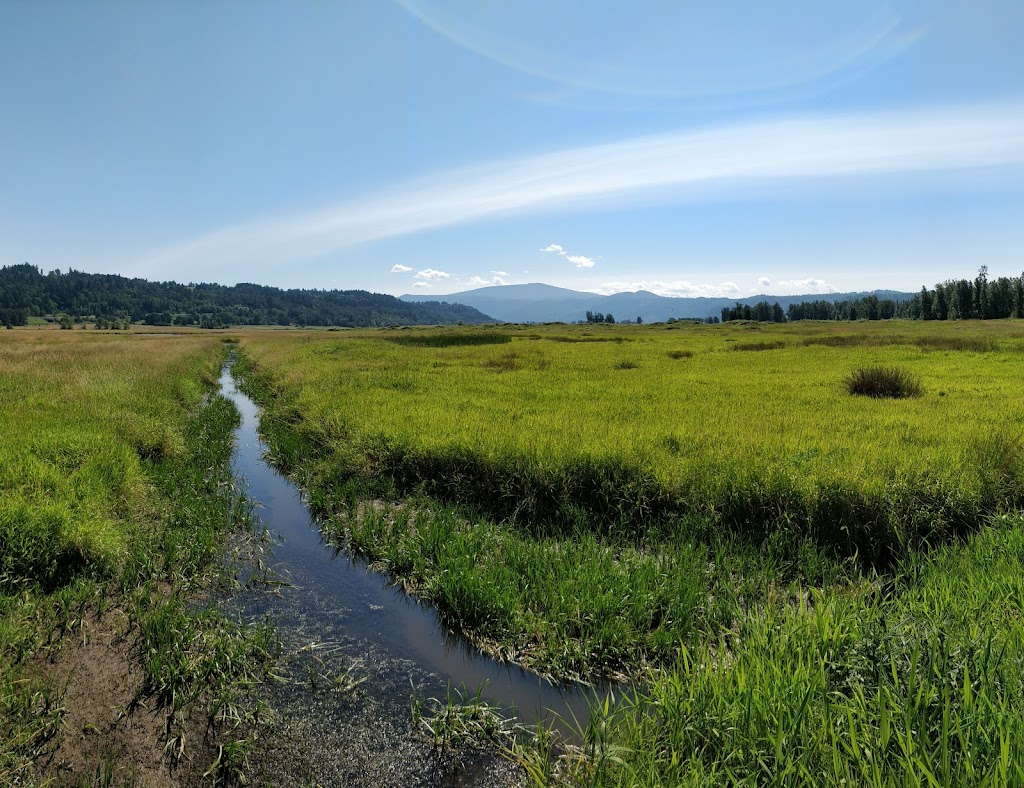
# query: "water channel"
{"type": "Point", "coordinates": [335, 605]}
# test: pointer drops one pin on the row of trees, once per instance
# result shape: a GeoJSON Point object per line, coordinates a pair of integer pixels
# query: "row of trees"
{"type": "Point", "coordinates": [977, 299]}
{"type": "Point", "coordinates": [26, 290]}
{"type": "Point", "coordinates": [980, 298]}
{"type": "Point", "coordinates": [762, 312]}
{"type": "Point", "coordinates": [868, 308]}
{"type": "Point", "coordinates": [598, 317]}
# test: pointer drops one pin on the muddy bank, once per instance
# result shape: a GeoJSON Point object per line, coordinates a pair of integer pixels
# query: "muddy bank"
{"type": "Point", "coordinates": [111, 732]}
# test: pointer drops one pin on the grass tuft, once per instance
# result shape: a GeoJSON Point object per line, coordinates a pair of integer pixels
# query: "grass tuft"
{"type": "Point", "coordinates": [884, 382]}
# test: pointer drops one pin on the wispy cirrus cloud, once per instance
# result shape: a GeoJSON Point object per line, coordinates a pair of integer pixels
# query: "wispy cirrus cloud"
{"type": "Point", "coordinates": [662, 168]}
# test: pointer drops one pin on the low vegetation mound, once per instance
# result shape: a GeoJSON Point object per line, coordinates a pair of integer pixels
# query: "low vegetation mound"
{"type": "Point", "coordinates": [884, 382]}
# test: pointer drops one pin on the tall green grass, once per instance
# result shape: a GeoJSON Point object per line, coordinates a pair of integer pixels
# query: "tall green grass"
{"type": "Point", "coordinates": [917, 683]}
{"type": "Point", "coordinates": [115, 492]}
{"type": "Point", "coordinates": [554, 435]}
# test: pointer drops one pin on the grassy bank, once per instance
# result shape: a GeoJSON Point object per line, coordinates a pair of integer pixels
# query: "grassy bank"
{"type": "Point", "coordinates": [915, 681]}
{"type": "Point", "coordinates": [115, 499]}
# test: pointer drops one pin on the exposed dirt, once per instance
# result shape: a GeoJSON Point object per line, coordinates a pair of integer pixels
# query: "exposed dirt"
{"type": "Point", "coordinates": [106, 731]}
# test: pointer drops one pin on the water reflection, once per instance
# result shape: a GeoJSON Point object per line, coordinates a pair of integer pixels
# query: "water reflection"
{"type": "Point", "coordinates": [336, 597]}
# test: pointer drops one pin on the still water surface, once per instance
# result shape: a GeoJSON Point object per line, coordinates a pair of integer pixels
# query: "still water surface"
{"type": "Point", "coordinates": [401, 644]}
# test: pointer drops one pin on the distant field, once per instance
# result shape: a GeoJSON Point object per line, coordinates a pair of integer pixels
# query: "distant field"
{"type": "Point", "coordinates": [749, 425]}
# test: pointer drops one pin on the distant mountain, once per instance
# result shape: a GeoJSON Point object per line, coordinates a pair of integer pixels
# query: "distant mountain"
{"type": "Point", "coordinates": [540, 303]}
{"type": "Point", "coordinates": [26, 291]}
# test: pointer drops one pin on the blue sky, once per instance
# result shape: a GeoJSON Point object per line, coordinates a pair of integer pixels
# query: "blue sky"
{"type": "Point", "coordinates": [689, 148]}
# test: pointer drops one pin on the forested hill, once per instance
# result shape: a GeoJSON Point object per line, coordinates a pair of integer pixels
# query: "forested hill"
{"type": "Point", "coordinates": [26, 291]}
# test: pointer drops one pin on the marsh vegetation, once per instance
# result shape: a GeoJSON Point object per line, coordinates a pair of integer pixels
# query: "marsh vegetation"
{"type": "Point", "coordinates": [116, 495]}
{"type": "Point", "coordinates": [796, 583]}
{"type": "Point", "coordinates": [806, 585]}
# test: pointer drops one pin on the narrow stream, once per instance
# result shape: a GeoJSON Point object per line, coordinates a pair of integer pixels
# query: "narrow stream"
{"type": "Point", "coordinates": [399, 644]}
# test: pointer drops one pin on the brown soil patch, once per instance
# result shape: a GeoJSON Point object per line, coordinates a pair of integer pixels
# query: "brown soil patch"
{"type": "Point", "coordinates": [107, 729]}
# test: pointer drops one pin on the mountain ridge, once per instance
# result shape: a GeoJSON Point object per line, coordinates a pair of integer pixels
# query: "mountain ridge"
{"type": "Point", "coordinates": [540, 303]}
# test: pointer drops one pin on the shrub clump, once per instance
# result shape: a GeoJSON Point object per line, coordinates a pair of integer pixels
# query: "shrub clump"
{"type": "Point", "coordinates": [891, 382]}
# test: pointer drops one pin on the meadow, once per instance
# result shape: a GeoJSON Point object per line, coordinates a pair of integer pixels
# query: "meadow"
{"type": "Point", "coordinates": [807, 586]}
{"type": "Point", "coordinates": [745, 427]}
{"type": "Point", "coordinates": [798, 584]}
{"type": "Point", "coordinates": [116, 496]}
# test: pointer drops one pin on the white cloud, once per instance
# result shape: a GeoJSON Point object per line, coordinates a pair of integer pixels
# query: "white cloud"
{"type": "Point", "coordinates": [662, 168]}
{"type": "Point", "coordinates": [432, 273]}
{"type": "Point", "coordinates": [764, 281]}
{"type": "Point", "coordinates": [479, 281]}
{"type": "Point", "coordinates": [398, 268]}
{"type": "Point", "coordinates": [500, 273]}
{"type": "Point", "coordinates": [678, 288]}
{"type": "Point", "coordinates": [421, 284]}
{"type": "Point", "coordinates": [802, 287]}
{"type": "Point", "coordinates": [580, 261]}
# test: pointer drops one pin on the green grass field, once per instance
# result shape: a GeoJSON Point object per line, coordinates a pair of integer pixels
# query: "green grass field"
{"type": "Point", "coordinates": [115, 493]}
{"type": "Point", "coordinates": [813, 587]}
{"type": "Point", "coordinates": [746, 427]}
{"type": "Point", "coordinates": [804, 585]}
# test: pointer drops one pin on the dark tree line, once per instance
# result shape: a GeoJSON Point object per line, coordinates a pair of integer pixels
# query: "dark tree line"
{"type": "Point", "coordinates": [965, 299]}
{"type": "Point", "coordinates": [599, 317]}
{"type": "Point", "coordinates": [762, 312]}
{"type": "Point", "coordinates": [980, 298]}
{"type": "Point", "coordinates": [13, 317]}
{"type": "Point", "coordinates": [868, 308]}
{"type": "Point", "coordinates": [26, 291]}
